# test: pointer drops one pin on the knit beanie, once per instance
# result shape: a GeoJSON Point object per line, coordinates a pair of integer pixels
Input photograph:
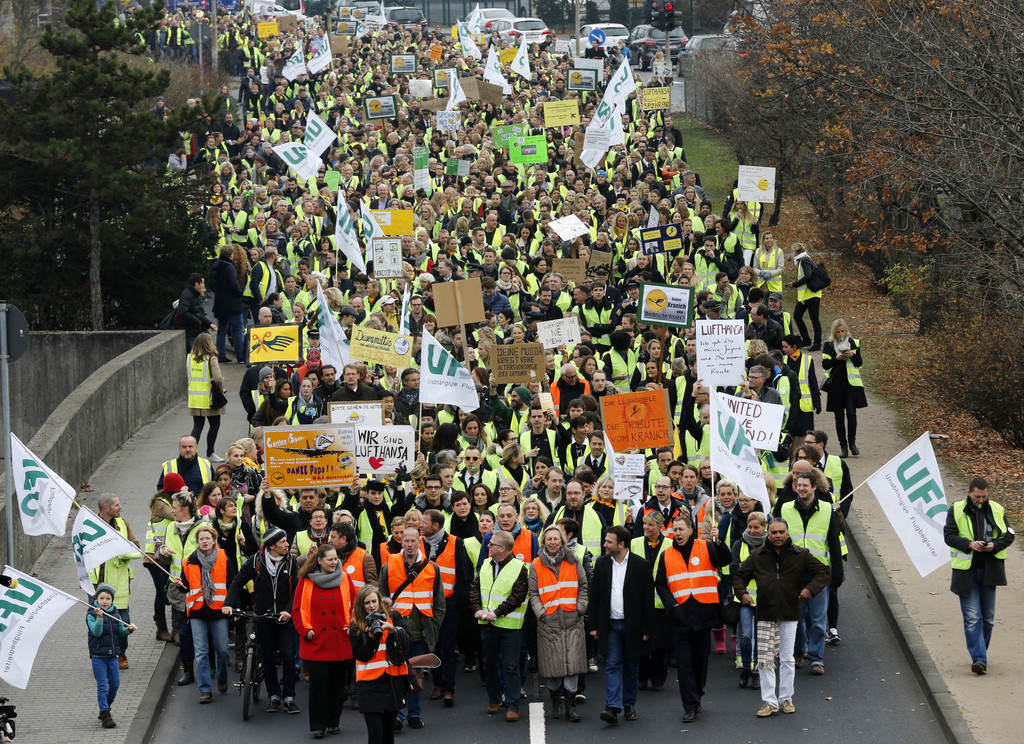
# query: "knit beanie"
{"type": "Point", "coordinates": [272, 536]}
{"type": "Point", "coordinates": [105, 587]}
{"type": "Point", "coordinates": [524, 394]}
{"type": "Point", "coordinates": [173, 483]}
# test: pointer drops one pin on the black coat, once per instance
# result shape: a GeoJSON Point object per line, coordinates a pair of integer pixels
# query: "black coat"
{"type": "Point", "coordinates": [264, 596]}
{"type": "Point", "coordinates": [387, 692]}
{"type": "Point", "coordinates": [637, 601]}
{"type": "Point", "coordinates": [227, 292]}
{"type": "Point", "coordinates": [191, 313]}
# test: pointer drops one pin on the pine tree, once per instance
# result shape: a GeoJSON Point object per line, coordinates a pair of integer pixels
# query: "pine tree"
{"type": "Point", "coordinates": [95, 225]}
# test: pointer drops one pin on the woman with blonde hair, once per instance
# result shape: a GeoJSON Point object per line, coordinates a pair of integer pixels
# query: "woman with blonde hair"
{"type": "Point", "coordinates": [533, 514]}
{"type": "Point", "coordinates": [204, 376]}
{"type": "Point", "coordinates": [841, 359]}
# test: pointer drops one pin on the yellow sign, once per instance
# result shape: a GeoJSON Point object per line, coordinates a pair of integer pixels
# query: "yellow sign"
{"type": "Point", "coordinates": [303, 456]}
{"type": "Point", "coordinates": [394, 221]}
{"type": "Point", "coordinates": [656, 98]}
{"type": "Point", "coordinates": [561, 113]}
{"type": "Point", "coordinates": [507, 55]}
{"type": "Point", "coordinates": [380, 347]}
{"type": "Point", "coordinates": [274, 343]}
{"type": "Point", "coordinates": [267, 29]}
{"type": "Point", "coordinates": [436, 50]}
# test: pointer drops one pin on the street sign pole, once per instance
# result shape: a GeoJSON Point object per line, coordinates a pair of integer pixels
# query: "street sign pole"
{"type": "Point", "coordinates": [6, 402]}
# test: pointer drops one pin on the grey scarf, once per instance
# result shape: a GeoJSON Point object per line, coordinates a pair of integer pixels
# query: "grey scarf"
{"type": "Point", "coordinates": [206, 568]}
{"type": "Point", "coordinates": [753, 542]}
{"type": "Point", "coordinates": [328, 580]}
{"type": "Point", "coordinates": [553, 560]}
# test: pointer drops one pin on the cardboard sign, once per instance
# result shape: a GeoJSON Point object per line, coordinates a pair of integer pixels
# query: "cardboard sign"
{"type": "Point", "coordinates": [573, 269]}
{"type": "Point", "coordinates": [599, 259]}
{"type": "Point", "coordinates": [288, 23]}
{"type": "Point", "coordinates": [655, 99]}
{"type": "Point", "coordinates": [436, 50]}
{"type": "Point", "coordinates": [394, 221]}
{"type": "Point", "coordinates": [638, 420]}
{"type": "Point", "coordinates": [581, 79]}
{"type": "Point", "coordinates": [339, 45]}
{"type": "Point", "coordinates": [517, 364]}
{"type": "Point", "coordinates": [570, 227]}
{"type": "Point", "coordinates": [447, 295]}
{"type": "Point", "coordinates": [665, 304]}
{"type": "Point", "coordinates": [547, 403]}
{"type": "Point", "coordinates": [555, 333]}
{"type": "Point", "coordinates": [421, 88]}
{"type": "Point", "coordinates": [661, 238]}
{"type": "Point", "coordinates": [380, 347]}
{"type": "Point", "coordinates": [379, 450]}
{"type": "Point", "coordinates": [266, 29]}
{"type": "Point", "coordinates": [507, 55]}
{"type": "Point", "coordinates": [443, 76]}
{"type": "Point", "coordinates": [629, 466]}
{"type": "Point", "coordinates": [479, 90]}
{"type": "Point", "coordinates": [756, 184]}
{"type": "Point", "coordinates": [562, 113]}
{"type": "Point", "coordinates": [720, 352]}
{"type": "Point", "coordinates": [449, 121]}
{"type": "Point", "coordinates": [356, 413]}
{"type": "Point", "coordinates": [526, 150]}
{"type": "Point", "coordinates": [506, 134]}
{"type": "Point", "coordinates": [387, 258]}
{"type": "Point", "coordinates": [304, 456]}
{"type": "Point", "coordinates": [274, 343]}
{"type": "Point", "coordinates": [761, 421]}
{"type": "Point", "coordinates": [403, 64]}
{"type": "Point", "coordinates": [436, 104]}
{"type": "Point", "coordinates": [381, 107]}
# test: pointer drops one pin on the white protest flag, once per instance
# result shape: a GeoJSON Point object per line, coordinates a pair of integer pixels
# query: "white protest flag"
{"type": "Point", "coordinates": [94, 542]}
{"type": "Point", "coordinates": [30, 609]}
{"type": "Point", "coordinates": [370, 227]}
{"type": "Point", "coordinates": [345, 236]}
{"type": "Point", "coordinates": [318, 136]}
{"type": "Point", "coordinates": [44, 498]}
{"type": "Point", "coordinates": [443, 379]}
{"type": "Point", "coordinates": [620, 85]}
{"type": "Point", "coordinates": [909, 490]}
{"type": "Point", "coordinates": [333, 342]}
{"type": "Point", "coordinates": [457, 94]}
{"type": "Point", "coordinates": [299, 159]}
{"type": "Point", "coordinates": [469, 46]}
{"type": "Point", "coordinates": [474, 20]}
{"type": "Point", "coordinates": [732, 453]}
{"type": "Point", "coordinates": [321, 58]}
{"type": "Point", "coordinates": [296, 65]}
{"type": "Point", "coordinates": [521, 62]}
{"type": "Point", "coordinates": [403, 320]}
{"type": "Point", "coordinates": [493, 72]}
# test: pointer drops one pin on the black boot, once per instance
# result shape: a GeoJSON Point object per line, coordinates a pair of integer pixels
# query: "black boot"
{"type": "Point", "coordinates": [570, 710]}
{"type": "Point", "coordinates": [187, 677]}
{"type": "Point", "coordinates": [557, 703]}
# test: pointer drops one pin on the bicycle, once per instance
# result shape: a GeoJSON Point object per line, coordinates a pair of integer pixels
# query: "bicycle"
{"type": "Point", "coordinates": [252, 660]}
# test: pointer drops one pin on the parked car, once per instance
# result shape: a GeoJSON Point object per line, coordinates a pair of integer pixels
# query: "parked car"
{"type": "Point", "coordinates": [406, 16]}
{"type": "Point", "coordinates": [534, 29]}
{"type": "Point", "coordinates": [646, 41]}
{"type": "Point", "coordinates": [704, 46]}
{"type": "Point", "coordinates": [613, 33]}
{"type": "Point", "coordinates": [489, 15]}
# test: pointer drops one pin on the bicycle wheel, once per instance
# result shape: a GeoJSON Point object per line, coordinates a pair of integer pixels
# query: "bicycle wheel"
{"type": "Point", "coordinates": [249, 682]}
{"type": "Point", "coordinates": [257, 673]}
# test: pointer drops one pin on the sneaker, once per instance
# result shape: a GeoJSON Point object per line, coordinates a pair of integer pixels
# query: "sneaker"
{"type": "Point", "coordinates": [320, 733]}
{"type": "Point", "coordinates": [592, 664]}
{"type": "Point", "coordinates": [470, 668]}
{"type": "Point", "coordinates": [979, 668]}
{"type": "Point", "coordinates": [832, 637]}
{"type": "Point", "coordinates": [205, 698]}
{"type": "Point", "coordinates": [817, 669]}
{"type": "Point", "coordinates": [275, 705]}
{"type": "Point", "coordinates": [787, 706]}
{"type": "Point", "coordinates": [767, 710]}
{"type": "Point", "coordinates": [216, 459]}
{"type": "Point", "coordinates": [415, 722]}
{"type": "Point", "coordinates": [290, 707]}
{"type": "Point", "coordinates": [522, 694]}
{"type": "Point", "coordinates": [580, 698]}
{"type": "Point", "coordinates": [739, 661]}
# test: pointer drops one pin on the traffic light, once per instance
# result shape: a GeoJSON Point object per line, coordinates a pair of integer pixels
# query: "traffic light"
{"type": "Point", "coordinates": [669, 16]}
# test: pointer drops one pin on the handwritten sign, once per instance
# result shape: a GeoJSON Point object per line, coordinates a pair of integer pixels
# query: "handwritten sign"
{"type": "Point", "coordinates": [547, 403]}
{"type": "Point", "coordinates": [655, 99]}
{"type": "Point", "coordinates": [560, 332]}
{"type": "Point", "coordinates": [756, 184]}
{"type": "Point", "coordinates": [304, 456]}
{"type": "Point", "coordinates": [573, 269]}
{"type": "Point", "coordinates": [449, 121]}
{"type": "Point", "coordinates": [599, 259]}
{"type": "Point", "coordinates": [436, 50]}
{"type": "Point", "coordinates": [380, 347]}
{"type": "Point", "coordinates": [387, 258]}
{"type": "Point", "coordinates": [639, 420]}
{"type": "Point", "coordinates": [517, 363]}
{"type": "Point", "coordinates": [266, 29]}
{"type": "Point", "coordinates": [667, 305]}
{"type": "Point", "coordinates": [274, 343]}
{"type": "Point", "coordinates": [507, 55]}
{"type": "Point", "coordinates": [629, 466]}
{"type": "Point", "coordinates": [380, 450]}
{"type": "Point", "coordinates": [562, 113]}
{"type": "Point", "coordinates": [761, 421]}
{"type": "Point", "coordinates": [570, 227]}
{"type": "Point", "coordinates": [356, 413]}
{"type": "Point", "coordinates": [720, 352]}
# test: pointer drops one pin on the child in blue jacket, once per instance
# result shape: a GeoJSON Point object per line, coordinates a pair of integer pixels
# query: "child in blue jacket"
{"type": "Point", "coordinates": [106, 644]}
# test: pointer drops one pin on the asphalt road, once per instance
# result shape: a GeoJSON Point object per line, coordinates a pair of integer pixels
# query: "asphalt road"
{"type": "Point", "coordinates": [868, 695]}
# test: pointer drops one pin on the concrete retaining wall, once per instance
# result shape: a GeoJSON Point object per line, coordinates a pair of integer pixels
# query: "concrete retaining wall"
{"type": "Point", "coordinates": [100, 412]}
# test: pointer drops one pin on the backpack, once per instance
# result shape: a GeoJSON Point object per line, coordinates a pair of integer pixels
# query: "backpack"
{"type": "Point", "coordinates": [818, 278]}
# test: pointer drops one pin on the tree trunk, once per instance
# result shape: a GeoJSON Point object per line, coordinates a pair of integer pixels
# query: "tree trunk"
{"type": "Point", "coordinates": [95, 252]}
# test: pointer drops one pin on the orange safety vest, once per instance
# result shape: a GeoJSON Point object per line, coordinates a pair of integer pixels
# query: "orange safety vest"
{"type": "Point", "coordinates": [194, 577]}
{"type": "Point", "coordinates": [445, 562]}
{"type": "Point", "coordinates": [696, 578]}
{"type": "Point", "coordinates": [354, 568]}
{"type": "Point", "coordinates": [557, 593]}
{"type": "Point", "coordinates": [419, 593]}
{"type": "Point", "coordinates": [379, 664]}
{"type": "Point", "coordinates": [699, 521]}
{"type": "Point", "coordinates": [305, 612]}
{"type": "Point", "coordinates": [666, 529]}
{"type": "Point", "coordinates": [385, 554]}
{"type": "Point", "coordinates": [522, 548]}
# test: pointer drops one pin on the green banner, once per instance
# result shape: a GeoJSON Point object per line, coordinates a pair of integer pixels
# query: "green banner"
{"type": "Point", "coordinates": [504, 135]}
{"type": "Point", "coordinates": [529, 150]}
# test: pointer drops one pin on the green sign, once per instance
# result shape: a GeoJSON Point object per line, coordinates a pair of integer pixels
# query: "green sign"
{"type": "Point", "coordinates": [527, 150]}
{"type": "Point", "coordinates": [420, 158]}
{"type": "Point", "coordinates": [504, 135]}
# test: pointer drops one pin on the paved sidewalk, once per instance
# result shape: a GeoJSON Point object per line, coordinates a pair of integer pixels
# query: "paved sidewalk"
{"type": "Point", "coordinates": [59, 704]}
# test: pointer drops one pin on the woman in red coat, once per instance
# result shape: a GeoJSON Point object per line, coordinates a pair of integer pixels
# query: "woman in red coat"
{"type": "Point", "coordinates": [321, 613]}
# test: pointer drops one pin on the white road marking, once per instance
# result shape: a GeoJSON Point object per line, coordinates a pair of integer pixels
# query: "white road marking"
{"type": "Point", "coordinates": [537, 723]}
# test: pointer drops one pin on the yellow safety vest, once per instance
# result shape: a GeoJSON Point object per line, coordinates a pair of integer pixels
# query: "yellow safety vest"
{"type": "Point", "coordinates": [200, 383]}
{"type": "Point", "coordinates": [495, 590]}
{"type": "Point", "coordinates": [964, 525]}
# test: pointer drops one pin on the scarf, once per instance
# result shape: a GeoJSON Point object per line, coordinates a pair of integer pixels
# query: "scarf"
{"type": "Point", "coordinates": [504, 285]}
{"type": "Point", "coordinates": [534, 524]}
{"type": "Point", "coordinates": [768, 643]}
{"type": "Point", "coordinates": [206, 563]}
{"type": "Point", "coordinates": [328, 581]}
{"type": "Point", "coordinates": [273, 562]}
{"type": "Point", "coordinates": [226, 527]}
{"type": "Point", "coordinates": [465, 528]}
{"type": "Point", "coordinates": [182, 528]}
{"type": "Point", "coordinates": [753, 542]}
{"type": "Point", "coordinates": [552, 561]}
{"type": "Point", "coordinates": [433, 542]}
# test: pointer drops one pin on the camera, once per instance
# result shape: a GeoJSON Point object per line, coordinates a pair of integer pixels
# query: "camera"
{"type": "Point", "coordinates": [373, 624]}
{"type": "Point", "coordinates": [7, 716]}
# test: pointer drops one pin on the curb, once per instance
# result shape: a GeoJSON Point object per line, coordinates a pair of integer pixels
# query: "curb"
{"type": "Point", "coordinates": [940, 699]}
{"type": "Point", "coordinates": [148, 714]}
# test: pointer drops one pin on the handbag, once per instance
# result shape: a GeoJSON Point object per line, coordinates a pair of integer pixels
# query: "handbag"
{"type": "Point", "coordinates": [818, 279]}
{"type": "Point", "coordinates": [217, 397]}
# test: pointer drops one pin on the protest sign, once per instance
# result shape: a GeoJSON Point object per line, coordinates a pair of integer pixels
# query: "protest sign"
{"type": "Point", "coordinates": [720, 352]}
{"type": "Point", "coordinates": [655, 99]}
{"type": "Point", "coordinates": [659, 239]}
{"type": "Point", "coordinates": [628, 489]}
{"type": "Point", "coordinates": [555, 333]}
{"type": "Point", "coordinates": [599, 259]}
{"type": "Point", "coordinates": [381, 107]}
{"type": "Point", "coordinates": [393, 221]}
{"type": "Point", "coordinates": [761, 421]}
{"type": "Point", "coordinates": [304, 456]}
{"type": "Point", "coordinates": [570, 227]}
{"type": "Point", "coordinates": [288, 24]}
{"type": "Point", "coordinates": [356, 413]}
{"type": "Point", "coordinates": [526, 150]}
{"type": "Point", "coordinates": [387, 258]}
{"type": "Point", "coordinates": [547, 403]}
{"type": "Point", "coordinates": [584, 63]}
{"type": "Point", "coordinates": [505, 135]}
{"type": "Point", "coordinates": [379, 450]}
{"type": "Point", "coordinates": [380, 347]}
{"type": "Point", "coordinates": [449, 295]}
{"type": "Point", "coordinates": [421, 88]}
{"type": "Point", "coordinates": [274, 343]}
{"type": "Point", "coordinates": [629, 466]}
{"type": "Point", "coordinates": [660, 68]}
{"type": "Point", "coordinates": [266, 29]}
{"type": "Point", "coordinates": [637, 420]}
{"type": "Point", "coordinates": [436, 51]}
{"type": "Point", "coordinates": [449, 121]}
{"type": "Point", "coordinates": [562, 113]}
{"type": "Point", "coordinates": [480, 90]}
{"type": "Point", "coordinates": [755, 184]}
{"type": "Point", "coordinates": [665, 304]}
{"type": "Point", "coordinates": [517, 363]}
{"type": "Point", "coordinates": [443, 76]}
{"type": "Point", "coordinates": [573, 269]}
{"type": "Point", "coordinates": [581, 79]}
{"type": "Point", "coordinates": [507, 55]}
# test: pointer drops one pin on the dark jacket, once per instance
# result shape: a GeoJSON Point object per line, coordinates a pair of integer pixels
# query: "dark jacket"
{"type": "Point", "coordinates": [691, 615]}
{"type": "Point", "coordinates": [637, 602]}
{"type": "Point", "coordinates": [269, 593]}
{"type": "Point", "coordinates": [362, 392]}
{"type": "Point", "coordinates": [110, 641]}
{"type": "Point", "coordinates": [289, 521]}
{"type": "Point", "coordinates": [191, 314]}
{"type": "Point", "coordinates": [227, 292]}
{"type": "Point", "coordinates": [387, 692]}
{"type": "Point", "coordinates": [983, 524]}
{"type": "Point", "coordinates": [780, 575]}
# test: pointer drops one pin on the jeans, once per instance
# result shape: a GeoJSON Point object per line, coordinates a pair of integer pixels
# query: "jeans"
{"type": "Point", "coordinates": [810, 633]}
{"type": "Point", "coordinates": [979, 611]}
{"type": "Point", "coordinates": [621, 675]}
{"type": "Point", "coordinates": [416, 648]}
{"type": "Point", "coordinates": [186, 648]}
{"type": "Point", "coordinates": [235, 325]}
{"type": "Point", "coordinates": [747, 637]}
{"type": "Point", "coordinates": [274, 637]}
{"type": "Point", "coordinates": [108, 680]}
{"type": "Point", "coordinates": [160, 584]}
{"type": "Point", "coordinates": [219, 629]}
{"type": "Point", "coordinates": [787, 668]}
{"type": "Point", "coordinates": [811, 305]}
{"type": "Point", "coordinates": [501, 664]}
